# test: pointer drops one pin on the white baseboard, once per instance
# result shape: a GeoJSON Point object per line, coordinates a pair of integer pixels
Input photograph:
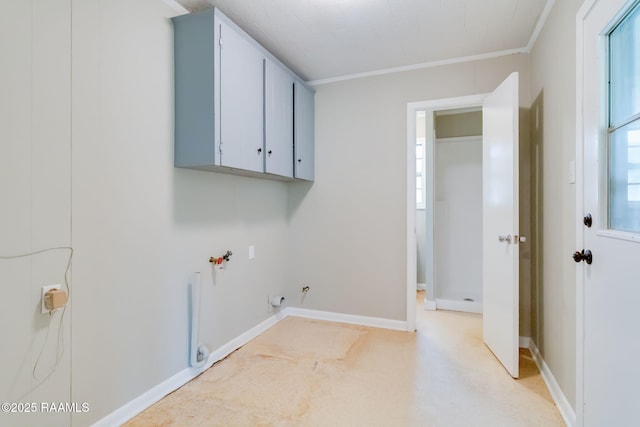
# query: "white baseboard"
{"type": "Point", "coordinates": [243, 338]}
{"type": "Point", "coordinates": [567, 412]}
{"type": "Point", "coordinates": [458, 305]}
{"type": "Point", "coordinates": [148, 398]}
{"type": "Point", "coordinates": [429, 305]}
{"type": "Point", "coordinates": [376, 322]}
{"type": "Point", "coordinates": [525, 342]}
{"type": "Point", "coordinates": [421, 286]}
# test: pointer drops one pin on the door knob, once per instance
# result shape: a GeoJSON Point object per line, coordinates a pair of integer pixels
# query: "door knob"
{"type": "Point", "coordinates": [585, 256]}
{"type": "Point", "coordinates": [506, 238]}
{"type": "Point", "coordinates": [588, 220]}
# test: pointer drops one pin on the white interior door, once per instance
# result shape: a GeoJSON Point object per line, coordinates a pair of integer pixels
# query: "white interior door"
{"type": "Point", "coordinates": [500, 285]}
{"type": "Point", "coordinates": [608, 289]}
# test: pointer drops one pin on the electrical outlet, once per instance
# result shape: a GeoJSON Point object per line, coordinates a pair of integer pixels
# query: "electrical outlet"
{"type": "Point", "coordinates": [45, 289]}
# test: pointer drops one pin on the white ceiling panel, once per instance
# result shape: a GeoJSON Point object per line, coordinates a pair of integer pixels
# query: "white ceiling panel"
{"type": "Point", "coordinates": [324, 39]}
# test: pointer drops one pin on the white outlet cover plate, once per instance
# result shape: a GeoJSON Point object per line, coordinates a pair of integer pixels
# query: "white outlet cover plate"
{"type": "Point", "coordinates": [46, 289]}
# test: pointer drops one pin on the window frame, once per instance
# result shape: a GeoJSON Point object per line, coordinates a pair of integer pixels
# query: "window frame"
{"type": "Point", "coordinates": [612, 129]}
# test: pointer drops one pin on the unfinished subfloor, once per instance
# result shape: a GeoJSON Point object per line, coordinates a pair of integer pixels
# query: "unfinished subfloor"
{"type": "Point", "coordinates": [315, 373]}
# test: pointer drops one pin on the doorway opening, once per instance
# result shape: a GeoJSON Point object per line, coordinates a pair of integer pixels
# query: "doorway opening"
{"type": "Point", "coordinates": [425, 145]}
{"type": "Point", "coordinates": [457, 193]}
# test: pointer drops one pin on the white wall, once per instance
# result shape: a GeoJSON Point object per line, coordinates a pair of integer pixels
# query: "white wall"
{"type": "Point", "coordinates": [348, 230]}
{"type": "Point", "coordinates": [458, 219]}
{"type": "Point", "coordinates": [35, 191]}
{"type": "Point", "coordinates": [553, 74]}
{"type": "Point", "coordinates": [141, 227]}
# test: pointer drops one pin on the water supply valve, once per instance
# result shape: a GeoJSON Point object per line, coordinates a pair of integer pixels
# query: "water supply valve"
{"type": "Point", "coordinates": [219, 262]}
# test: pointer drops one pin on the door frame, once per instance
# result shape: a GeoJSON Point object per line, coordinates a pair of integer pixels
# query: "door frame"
{"type": "Point", "coordinates": [412, 107]}
{"type": "Point", "coordinates": [582, 14]}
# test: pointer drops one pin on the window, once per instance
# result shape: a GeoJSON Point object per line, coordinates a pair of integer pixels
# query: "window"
{"type": "Point", "coordinates": [624, 124]}
{"type": "Point", "coordinates": [420, 160]}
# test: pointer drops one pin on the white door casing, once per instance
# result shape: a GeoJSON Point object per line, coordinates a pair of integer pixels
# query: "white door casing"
{"type": "Point", "coordinates": [500, 267]}
{"type": "Point", "coordinates": [607, 290]}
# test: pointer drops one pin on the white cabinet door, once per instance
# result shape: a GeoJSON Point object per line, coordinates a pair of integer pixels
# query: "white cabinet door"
{"type": "Point", "coordinates": [303, 132]}
{"type": "Point", "coordinates": [500, 263]}
{"type": "Point", "coordinates": [241, 101]}
{"type": "Point", "coordinates": [278, 99]}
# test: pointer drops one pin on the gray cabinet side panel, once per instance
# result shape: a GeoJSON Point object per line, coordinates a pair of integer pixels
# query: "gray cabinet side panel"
{"type": "Point", "coordinates": [194, 89]}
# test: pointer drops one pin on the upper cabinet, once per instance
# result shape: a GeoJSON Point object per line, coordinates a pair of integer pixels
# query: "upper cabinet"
{"type": "Point", "coordinates": [278, 111]}
{"type": "Point", "coordinates": [238, 109]}
{"type": "Point", "coordinates": [240, 95]}
{"type": "Point", "coordinates": [303, 132]}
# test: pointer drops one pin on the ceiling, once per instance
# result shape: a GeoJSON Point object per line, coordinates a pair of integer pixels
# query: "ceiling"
{"type": "Point", "coordinates": [325, 40]}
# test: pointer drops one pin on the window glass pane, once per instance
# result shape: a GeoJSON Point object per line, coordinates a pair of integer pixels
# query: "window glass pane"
{"type": "Point", "coordinates": [419, 199]}
{"type": "Point", "coordinates": [634, 138]}
{"type": "Point", "coordinates": [419, 183]}
{"type": "Point", "coordinates": [633, 176]}
{"type": "Point", "coordinates": [419, 166]}
{"type": "Point", "coordinates": [624, 176]}
{"type": "Point", "coordinates": [624, 69]}
{"type": "Point", "coordinates": [633, 193]}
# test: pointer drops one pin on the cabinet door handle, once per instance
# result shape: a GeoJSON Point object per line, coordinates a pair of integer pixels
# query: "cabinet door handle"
{"type": "Point", "coordinates": [259, 150]}
{"type": "Point", "coordinates": [299, 160]}
{"type": "Point", "coordinates": [269, 152]}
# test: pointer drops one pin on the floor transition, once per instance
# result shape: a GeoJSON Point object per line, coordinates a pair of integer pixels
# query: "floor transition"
{"type": "Point", "coordinates": [312, 373]}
